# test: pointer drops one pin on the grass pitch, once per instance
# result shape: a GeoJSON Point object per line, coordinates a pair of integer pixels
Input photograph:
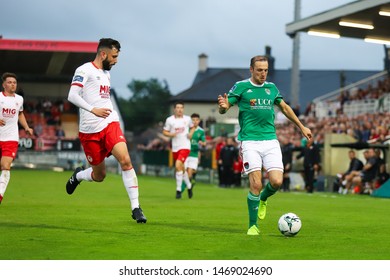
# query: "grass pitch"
{"type": "Point", "coordinates": [39, 221]}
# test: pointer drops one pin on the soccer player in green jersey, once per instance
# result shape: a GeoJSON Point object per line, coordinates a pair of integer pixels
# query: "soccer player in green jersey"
{"type": "Point", "coordinates": [255, 98]}
{"type": "Point", "coordinates": [192, 162]}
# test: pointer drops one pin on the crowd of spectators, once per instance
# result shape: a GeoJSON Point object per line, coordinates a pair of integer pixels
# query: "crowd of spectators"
{"type": "Point", "coordinates": [381, 88]}
{"type": "Point", "coordinates": [44, 116]}
{"type": "Point", "coordinates": [370, 128]}
{"type": "Point", "coordinates": [370, 92]}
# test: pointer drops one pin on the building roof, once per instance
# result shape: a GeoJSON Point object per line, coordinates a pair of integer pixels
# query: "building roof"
{"type": "Point", "coordinates": [209, 84]}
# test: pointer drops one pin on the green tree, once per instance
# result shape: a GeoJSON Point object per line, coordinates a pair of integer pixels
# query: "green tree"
{"type": "Point", "coordinates": [148, 105]}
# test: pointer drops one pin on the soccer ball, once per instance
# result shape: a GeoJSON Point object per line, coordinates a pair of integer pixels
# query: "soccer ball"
{"type": "Point", "coordinates": [289, 224]}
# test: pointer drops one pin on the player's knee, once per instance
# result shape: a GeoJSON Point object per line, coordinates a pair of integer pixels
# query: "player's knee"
{"type": "Point", "coordinates": [99, 177]}
{"type": "Point", "coordinates": [256, 187]}
{"type": "Point", "coordinates": [123, 159]}
{"type": "Point", "coordinates": [277, 183]}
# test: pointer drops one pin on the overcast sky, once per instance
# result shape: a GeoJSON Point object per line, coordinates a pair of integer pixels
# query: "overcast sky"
{"type": "Point", "coordinates": [163, 38]}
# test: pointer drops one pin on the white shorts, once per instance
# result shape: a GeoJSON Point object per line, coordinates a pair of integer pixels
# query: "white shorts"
{"type": "Point", "coordinates": [191, 162]}
{"type": "Point", "coordinates": [259, 154]}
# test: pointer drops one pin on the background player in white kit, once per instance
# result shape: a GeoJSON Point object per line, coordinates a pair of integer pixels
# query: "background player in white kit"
{"type": "Point", "coordinates": [11, 109]}
{"type": "Point", "coordinates": [99, 130]}
{"type": "Point", "coordinates": [179, 127]}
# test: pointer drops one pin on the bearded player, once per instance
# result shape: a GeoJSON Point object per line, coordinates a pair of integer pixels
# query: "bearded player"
{"type": "Point", "coordinates": [99, 130]}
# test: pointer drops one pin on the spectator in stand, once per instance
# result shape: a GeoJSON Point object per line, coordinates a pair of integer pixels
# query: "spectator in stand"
{"type": "Point", "coordinates": [60, 133]}
{"type": "Point", "coordinates": [355, 164]}
{"type": "Point", "coordinates": [357, 133]}
{"type": "Point", "coordinates": [227, 157]}
{"type": "Point", "coordinates": [287, 158]}
{"type": "Point", "coordinates": [55, 116]}
{"type": "Point", "coordinates": [221, 142]}
{"type": "Point", "coordinates": [347, 183]}
{"type": "Point", "coordinates": [237, 169]}
{"type": "Point", "coordinates": [38, 129]}
{"type": "Point", "coordinates": [383, 175]}
{"type": "Point", "coordinates": [47, 105]}
{"type": "Point", "coordinates": [374, 135]}
{"type": "Point", "coordinates": [311, 163]}
{"type": "Point", "coordinates": [366, 175]}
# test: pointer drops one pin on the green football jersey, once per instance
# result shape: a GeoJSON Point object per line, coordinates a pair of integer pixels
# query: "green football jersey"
{"type": "Point", "coordinates": [196, 137]}
{"type": "Point", "coordinates": [256, 109]}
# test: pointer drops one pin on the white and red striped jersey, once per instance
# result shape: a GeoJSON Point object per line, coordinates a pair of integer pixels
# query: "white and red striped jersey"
{"type": "Point", "coordinates": [10, 106]}
{"type": "Point", "coordinates": [180, 126]}
{"type": "Point", "coordinates": [95, 84]}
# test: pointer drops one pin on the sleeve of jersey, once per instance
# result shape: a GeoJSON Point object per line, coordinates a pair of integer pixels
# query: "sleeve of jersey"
{"type": "Point", "coordinates": [233, 95]}
{"type": "Point", "coordinates": [191, 124]}
{"type": "Point", "coordinates": [75, 98]}
{"type": "Point", "coordinates": [203, 137]}
{"type": "Point", "coordinates": [278, 97]}
{"type": "Point", "coordinates": [21, 105]}
{"type": "Point", "coordinates": [167, 126]}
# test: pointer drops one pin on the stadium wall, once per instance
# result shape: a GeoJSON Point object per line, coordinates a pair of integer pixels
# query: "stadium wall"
{"type": "Point", "coordinates": [336, 160]}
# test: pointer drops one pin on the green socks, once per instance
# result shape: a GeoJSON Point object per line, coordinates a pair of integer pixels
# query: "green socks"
{"type": "Point", "coordinates": [267, 192]}
{"type": "Point", "coordinates": [253, 207]}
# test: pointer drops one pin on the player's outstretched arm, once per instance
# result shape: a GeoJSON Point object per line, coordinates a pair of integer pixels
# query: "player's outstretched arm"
{"type": "Point", "coordinates": [289, 113]}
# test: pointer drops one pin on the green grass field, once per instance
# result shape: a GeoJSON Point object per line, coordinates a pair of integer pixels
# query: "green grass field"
{"type": "Point", "coordinates": [39, 221]}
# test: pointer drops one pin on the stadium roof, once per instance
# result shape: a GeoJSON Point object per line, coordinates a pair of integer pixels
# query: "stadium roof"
{"type": "Point", "coordinates": [40, 60]}
{"type": "Point", "coordinates": [332, 22]}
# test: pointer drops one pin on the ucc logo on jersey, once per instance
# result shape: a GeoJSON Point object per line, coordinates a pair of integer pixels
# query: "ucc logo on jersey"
{"type": "Point", "coordinates": [260, 104]}
{"type": "Point", "coordinates": [259, 101]}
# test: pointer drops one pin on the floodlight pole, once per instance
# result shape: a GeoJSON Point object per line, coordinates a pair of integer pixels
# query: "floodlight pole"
{"type": "Point", "coordinates": [295, 59]}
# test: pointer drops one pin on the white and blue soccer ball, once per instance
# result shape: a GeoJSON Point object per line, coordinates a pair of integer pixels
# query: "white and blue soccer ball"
{"type": "Point", "coordinates": [289, 224]}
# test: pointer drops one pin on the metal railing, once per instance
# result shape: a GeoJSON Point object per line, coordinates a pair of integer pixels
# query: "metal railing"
{"type": "Point", "coordinates": [331, 96]}
{"type": "Point", "coordinates": [354, 108]}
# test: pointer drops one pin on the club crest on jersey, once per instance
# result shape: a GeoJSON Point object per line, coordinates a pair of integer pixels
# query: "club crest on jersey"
{"type": "Point", "coordinates": [267, 91]}
{"type": "Point", "coordinates": [78, 78]}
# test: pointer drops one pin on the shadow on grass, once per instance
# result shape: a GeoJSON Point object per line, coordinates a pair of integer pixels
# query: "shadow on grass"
{"type": "Point", "coordinates": [150, 226]}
